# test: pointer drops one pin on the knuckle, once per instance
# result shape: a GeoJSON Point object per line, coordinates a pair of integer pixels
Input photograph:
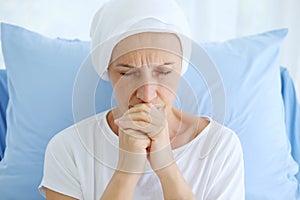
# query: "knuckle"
{"type": "Point", "coordinates": [141, 124]}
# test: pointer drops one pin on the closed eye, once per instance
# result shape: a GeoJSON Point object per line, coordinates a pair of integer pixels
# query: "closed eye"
{"type": "Point", "coordinates": [129, 73]}
{"type": "Point", "coordinates": [164, 69]}
{"type": "Point", "coordinates": [164, 72]}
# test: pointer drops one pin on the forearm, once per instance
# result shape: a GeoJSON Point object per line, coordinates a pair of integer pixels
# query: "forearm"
{"type": "Point", "coordinates": [121, 186]}
{"type": "Point", "coordinates": [173, 184]}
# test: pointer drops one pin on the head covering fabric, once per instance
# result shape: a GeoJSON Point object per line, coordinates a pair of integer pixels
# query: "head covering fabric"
{"type": "Point", "coordinates": [118, 19]}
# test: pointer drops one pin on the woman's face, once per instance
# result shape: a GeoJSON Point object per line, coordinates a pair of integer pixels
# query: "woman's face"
{"type": "Point", "coordinates": [145, 68]}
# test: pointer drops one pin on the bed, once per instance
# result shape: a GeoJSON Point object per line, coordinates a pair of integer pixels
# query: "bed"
{"type": "Point", "coordinates": [49, 84]}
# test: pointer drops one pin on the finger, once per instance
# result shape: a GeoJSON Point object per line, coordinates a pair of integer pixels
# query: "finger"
{"type": "Point", "coordinates": [134, 133]}
{"type": "Point", "coordinates": [145, 112]}
{"type": "Point", "coordinates": [134, 125]}
{"type": "Point", "coordinates": [143, 127]}
{"type": "Point", "coordinates": [138, 116]}
{"type": "Point", "coordinates": [146, 107]}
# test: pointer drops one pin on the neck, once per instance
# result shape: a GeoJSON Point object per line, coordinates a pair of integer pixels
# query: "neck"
{"type": "Point", "coordinates": [175, 122]}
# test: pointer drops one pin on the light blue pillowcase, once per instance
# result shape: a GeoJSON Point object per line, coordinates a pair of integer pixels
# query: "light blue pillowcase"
{"type": "Point", "coordinates": [254, 109]}
{"type": "Point", "coordinates": [292, 114]}
{"type": "Point", "coordinates": [41, 72]}
{"type": "Point", "coordinates": [250, 71]}
{"type": "Point", "coordinates": [50, 78]}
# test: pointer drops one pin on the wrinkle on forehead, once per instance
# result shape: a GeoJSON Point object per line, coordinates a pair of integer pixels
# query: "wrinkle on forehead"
{"type": "Point", "coordinates": [155, 43]}
{"type": "Point", "coordinates": [148, 57]}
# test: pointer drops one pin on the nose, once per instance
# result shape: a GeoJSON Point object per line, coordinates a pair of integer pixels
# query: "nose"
{"type": "Point", "coordinates": [147, 92]}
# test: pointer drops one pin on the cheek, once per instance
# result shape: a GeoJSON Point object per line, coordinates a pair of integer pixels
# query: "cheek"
{"type": "Point", "coordinates": [170, 82]}
{"type": "Point", "coordinates": [168, 89]}
{"type": "Point", "coordinates": [167, 94]}
{"type": "Point", "coordinates": [123, 90]}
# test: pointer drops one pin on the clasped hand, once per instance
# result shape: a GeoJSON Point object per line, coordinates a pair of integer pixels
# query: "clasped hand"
{"type": "Point", "coordinates": [143, 134]}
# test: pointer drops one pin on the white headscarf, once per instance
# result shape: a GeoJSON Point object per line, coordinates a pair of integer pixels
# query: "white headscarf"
{"type": "Point", "coordinates": [118, 19]}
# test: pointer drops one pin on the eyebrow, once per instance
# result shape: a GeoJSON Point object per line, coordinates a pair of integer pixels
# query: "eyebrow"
{"type": "Point", "coordinates": [125, 65]}
{"type": "Point", "coordinates": [130, 66]}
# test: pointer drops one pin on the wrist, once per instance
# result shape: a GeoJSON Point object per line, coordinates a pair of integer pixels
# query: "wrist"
{"type": "Point", "coordinates": [167, 173]}
{"type": "Point", "coordinates": [121, 185]}
{"type": "Point", "coordinates": [173, 183]}
{"type": "Point", "coordinates": [161, 158]}
{"type": "Point", "coordinates": [131, 162]}
{"type": "Point", "coordinates": [125, 178]}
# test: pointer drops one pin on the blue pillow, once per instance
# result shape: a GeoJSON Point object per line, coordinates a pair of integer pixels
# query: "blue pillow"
{"type": "Point", "coordinates": [292, 114]}
{"type": "Point", "coordinates": [250, 71]}
{"type": "Point", "coordinates": [40, 72]}
{"type": "Point", "coordinates": [3, 105]}
{"type": "Point", "coordinates": [254, 109]}
{"type": "Point", "coordinates": [51, 78]}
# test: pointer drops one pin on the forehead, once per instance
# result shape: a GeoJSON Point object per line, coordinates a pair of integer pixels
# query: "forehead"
{"type": "Point", "coordinates": [156, 42]}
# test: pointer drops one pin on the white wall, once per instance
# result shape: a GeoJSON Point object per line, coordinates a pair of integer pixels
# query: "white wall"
{"type": "Point", "coordinates": [55, 18]}
{"type": "Point", "coordinates": [214, 20]}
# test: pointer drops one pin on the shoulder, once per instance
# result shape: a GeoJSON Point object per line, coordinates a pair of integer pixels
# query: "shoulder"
{"type": "Point", "coordinates": [225, 134]}
{"type": "Point", "coordinates": [67, 157]}
{"type": "Point", "coordinates": [72, 136]}
{"type": "Point", "coordinates": [226, 158]}
{"type": "Point", "coordinates": [220, 140]}
{"type": "Point", "coordinates": [226, 137]}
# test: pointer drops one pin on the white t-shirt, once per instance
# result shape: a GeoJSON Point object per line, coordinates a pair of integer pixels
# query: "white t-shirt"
{"type": "Point", "coordinates": [80, 161]}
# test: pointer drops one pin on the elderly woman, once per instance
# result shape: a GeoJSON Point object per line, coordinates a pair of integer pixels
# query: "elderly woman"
{"type": "Point", "coordinates": [144, 148]}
